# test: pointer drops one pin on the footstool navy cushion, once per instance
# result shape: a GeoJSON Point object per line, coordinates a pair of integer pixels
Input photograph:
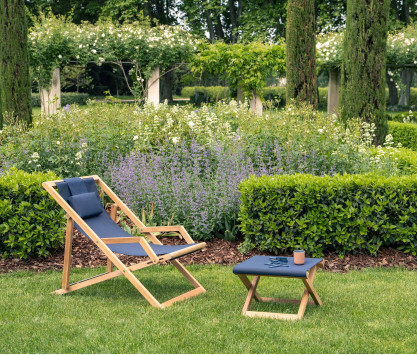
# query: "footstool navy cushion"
{"type": "Point", "coordinates": [259, 265]}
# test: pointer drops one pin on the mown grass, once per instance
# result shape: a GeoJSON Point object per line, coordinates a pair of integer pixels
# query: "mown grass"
{"type": "Point", "coordinates": [371, 311]}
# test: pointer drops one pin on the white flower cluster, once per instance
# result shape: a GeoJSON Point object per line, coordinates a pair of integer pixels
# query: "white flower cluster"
{"type": "Point", "coordinates": [160, 45]}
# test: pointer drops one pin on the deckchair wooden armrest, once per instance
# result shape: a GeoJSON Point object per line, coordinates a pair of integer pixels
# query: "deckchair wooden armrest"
{"type": "Point", "coordinates": [147, 230]}
{"type": "Point", "coordinates": [180, 229]}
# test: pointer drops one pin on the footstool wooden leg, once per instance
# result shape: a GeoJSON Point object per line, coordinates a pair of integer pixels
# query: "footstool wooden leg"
{"type": "Point", "coordinates": [309, 289]}
{"type": "Point", "coordinates": [248, 285]}
{"type": "Point", "coordinates": [251, 293]}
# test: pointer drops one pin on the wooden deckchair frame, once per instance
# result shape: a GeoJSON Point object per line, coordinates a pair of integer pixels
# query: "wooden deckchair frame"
{"type": "Point", "coordinates": [112, 259]}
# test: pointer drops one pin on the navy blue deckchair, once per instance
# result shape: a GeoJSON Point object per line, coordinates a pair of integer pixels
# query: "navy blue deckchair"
{"type": "Point", "coordinates": [80, 199]}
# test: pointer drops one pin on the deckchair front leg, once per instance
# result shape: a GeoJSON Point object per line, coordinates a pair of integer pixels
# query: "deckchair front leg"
{"type": "Point", "coordinates": [113, 216]}
{"type": "Point", "coordinates": [67, 253]}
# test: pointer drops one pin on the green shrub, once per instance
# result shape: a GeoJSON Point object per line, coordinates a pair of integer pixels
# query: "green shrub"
{"type": "Point", "coordinates": [31, 223]}
{"type": "Point", "coordinates": [406, 161]}
{"type": "Point", "coordinates": [209, 93]}
{"type": "Point", "coordinates": [323, 98]}
{"type": "Point", "coordinates": [67, 98]}
{"type": "Point", "coordinates": [409, 117]}
{"type": "Point", "coordinates": [404, 133]}
{"type": "Point", "coordinates": [74, 142]}
{"type": "Point", "coordinates": [344, 213]}
{"type": "Point", "coordinates": [275, 94]}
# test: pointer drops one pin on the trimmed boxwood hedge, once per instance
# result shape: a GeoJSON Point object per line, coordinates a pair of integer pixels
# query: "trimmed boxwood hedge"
{"type": "Point", "coordinates": [404, 133]}
{"type": "Point", "coordinates": [67, 98]}
{"type": "Point", "coordinates": [344, 214]}
{"type": "Point", "coordinates": [31, 223]}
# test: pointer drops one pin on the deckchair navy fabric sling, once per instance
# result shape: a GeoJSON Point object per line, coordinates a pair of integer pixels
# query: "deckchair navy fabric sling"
{"type": "Point", "coordinates": [80, 199]}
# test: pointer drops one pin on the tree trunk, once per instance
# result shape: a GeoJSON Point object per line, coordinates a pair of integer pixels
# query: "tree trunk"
{"type": "Point", "coordinates": [210, 26]}
{"type": "Point", "coordinates": [15, 84]}
{"type": "Point", "coordinates": [301, 52]}
{"type": "Point", "coordinates": [256, 104]}
{"type": "Point", "coordinates": [363, 70]}
{"type": "Point", "coordinates": [233, 21]}
{"type": "Point", "coordinates": [392, 91]}
{"type": "Point", "coordinates": [219, 28]}
{"type": "Point", "coordinates": [51, 97]}
{"type": "Point", "coordinates": [406, 80]}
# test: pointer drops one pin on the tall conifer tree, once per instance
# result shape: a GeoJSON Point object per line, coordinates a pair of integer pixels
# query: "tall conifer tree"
{"type": "Point", "coordinates": [363, 70]}
{"type": "Point", "coordinates": [15, 85]}
{"type": "Point", "coordinates": [301, 51]}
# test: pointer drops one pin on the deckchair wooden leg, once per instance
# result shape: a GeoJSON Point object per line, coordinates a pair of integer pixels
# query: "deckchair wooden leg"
{"type": "Point", "coordinates": [186, 274]}
{"type": "Point", "coordinates": [67, 253]}
{"type": "Point", "coordinates": [109, 267]}
{"type": "Point", "coordinates": [198, 288]}
{"type": "Point", "coordinates": [113, 216]}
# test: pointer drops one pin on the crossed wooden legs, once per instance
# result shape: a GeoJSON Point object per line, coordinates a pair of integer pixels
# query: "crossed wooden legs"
{"type": "Point", "coordinates": [123, 270]}
{"type": "Point", "coordinates": [309, 290]}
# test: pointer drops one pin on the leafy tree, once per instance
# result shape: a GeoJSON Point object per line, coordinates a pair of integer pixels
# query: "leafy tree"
{"type": "Point", "coordinates": [15, 84]}
{"type": "Point", "coordinates": [301, 52]}
{"type": "Point", "coordinates": [244, 65]}
{"type": "Point", "coordinates": [363, 69]}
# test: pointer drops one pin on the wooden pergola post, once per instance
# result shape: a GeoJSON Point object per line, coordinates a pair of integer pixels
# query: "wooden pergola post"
{"type": "Point", "coordinates": [333, 90]}
{"type": "Point", "coordinates": [51, 97]}
{"type": "Point", "coordinates": [153, 87]}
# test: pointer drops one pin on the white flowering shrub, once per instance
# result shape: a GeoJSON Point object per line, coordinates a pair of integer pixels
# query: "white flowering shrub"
{"type": "Point", "coordinates": [175, 124]}
{"type": "Point", "coordinates": [54, 42]}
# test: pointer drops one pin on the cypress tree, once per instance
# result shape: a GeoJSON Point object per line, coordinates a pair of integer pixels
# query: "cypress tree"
{"type": "Point", "coordinates": [301, 51]}
{"type": "Point", "coordinates": [363, 69]}
{"type": "Point", "coordinates": [15, 84]}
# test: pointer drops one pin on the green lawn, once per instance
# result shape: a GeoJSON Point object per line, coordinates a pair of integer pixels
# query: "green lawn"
{"type": "Point", "coordinates": [371, 311]}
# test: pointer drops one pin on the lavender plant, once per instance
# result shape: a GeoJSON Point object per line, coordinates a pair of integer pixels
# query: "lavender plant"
{"type": "Point", "coordinates": [196, 185]}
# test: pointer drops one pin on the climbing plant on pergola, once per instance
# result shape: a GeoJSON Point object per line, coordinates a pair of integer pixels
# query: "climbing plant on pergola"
{"type": "Point", "coordinates": [246, 66]}
{"type": "Point", "coordinates": [54, 42]}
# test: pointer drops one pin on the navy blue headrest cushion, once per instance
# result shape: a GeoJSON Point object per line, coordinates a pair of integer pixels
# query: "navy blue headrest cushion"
{"type": "Point", "coordinates": [86, 204]}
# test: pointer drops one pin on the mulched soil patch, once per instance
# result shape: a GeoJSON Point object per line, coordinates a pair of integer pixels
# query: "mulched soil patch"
{"type": "Point", "coordinates": [218, 251]}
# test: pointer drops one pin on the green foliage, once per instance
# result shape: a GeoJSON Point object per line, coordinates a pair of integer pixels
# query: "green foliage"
{"type": "Point", "coordinates": [363, 72]}
{"type": "Point", "coordinates": [404, 133]}
{"type": "Point", "coordinates": [344, 213]}
{"type": "Point", "coordinates": [409, 117]}
{"type": "Point", "coordinates": [15, 85]}
{"type": "Point", "coordinates": [30, 221]}
{"type": "Point", "coordinates": [209, 93]}
{"type": "Point", "coordinates": [67, 98]}
{"type": "Point", "coordinates": [301, 51]}
{"type": "Point", "coordinates": [275, 95]}
{"type": "Point", "coordinates": [406, 160]}
{"type": "Point", "coordinates": [323, 95]}
{"type": "Point", "coordinates": [73, 142]}
{"type": "Point", "coordinates": [245, 65]}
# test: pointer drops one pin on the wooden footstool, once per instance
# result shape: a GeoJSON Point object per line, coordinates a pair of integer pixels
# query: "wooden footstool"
{"type": "Point", "coordinates": [264, 266]}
